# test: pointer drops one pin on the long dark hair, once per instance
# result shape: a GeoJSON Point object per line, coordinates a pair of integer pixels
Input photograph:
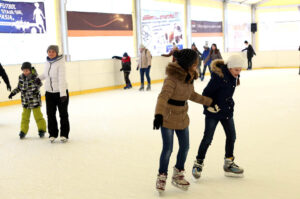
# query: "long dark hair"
{"type": "Point", "coordinates": [216, 50]}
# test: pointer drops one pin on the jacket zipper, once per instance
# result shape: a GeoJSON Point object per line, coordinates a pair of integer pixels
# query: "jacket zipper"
{"type": "Point", "coordinates": [50, 77]}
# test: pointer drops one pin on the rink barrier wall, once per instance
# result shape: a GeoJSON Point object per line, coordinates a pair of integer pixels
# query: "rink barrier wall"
{"type": "Point", "coordinates": [93, 76]}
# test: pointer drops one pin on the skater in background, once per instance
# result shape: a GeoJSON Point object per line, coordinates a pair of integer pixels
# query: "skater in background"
{"type": "Point", "coordinates": [57, 96]}
{"type": "Point", "coordinates": [171, 114]}
{"type": "Point", "coordinates": [299, 56]}
{"type": "Point", "coordinates": [206, 64]}
{"type": "Point", "coordinates": [250, 54]}
{"type": "Point", "coordinates": [144, 65]}
{"type": "Point", "coordinates": [200, 59]}
{"type": "Point", "coordinates": [174, 48]}
{"type": "Point", "coordinates": [221, 87]}
{"type": "Point", "coordinates": [126, 68]}
{"type": "Point", "coordinates": [5, 77]}
{"type": "Point", "coordinates": [31, 100]}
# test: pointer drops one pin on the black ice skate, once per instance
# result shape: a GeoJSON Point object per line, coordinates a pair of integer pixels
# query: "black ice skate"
{"type": "Point", "coordinates": [42, 134]}
{"type": "Point", "coordinates": [22, 135]}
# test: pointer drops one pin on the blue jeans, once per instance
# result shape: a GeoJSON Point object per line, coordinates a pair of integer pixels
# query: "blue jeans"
{"type": "Point", "coordinates": [142, 73]}
{"type": "Point", "coordinates": [183, 140]}
{"type": "Point", "coordinates": [210, 127]}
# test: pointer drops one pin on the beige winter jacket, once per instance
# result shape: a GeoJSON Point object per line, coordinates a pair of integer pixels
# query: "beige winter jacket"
{"type": "Point", "coordinates": [178, 86]}
{"type": "Point", "coordinates": [145, 59]}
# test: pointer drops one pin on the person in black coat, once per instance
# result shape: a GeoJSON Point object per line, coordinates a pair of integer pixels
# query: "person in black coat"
{"type": "Point", "coordinates": [250, 54]}
{"type": "Point", "coordinates": [126, 68]}
{"type": "Point", "coordinates": [221, 87]}
{"type": "Point", "coordinates": [5, 77]}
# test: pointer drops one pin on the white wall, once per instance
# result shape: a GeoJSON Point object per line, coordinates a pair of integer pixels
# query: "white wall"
{"type": "Point", "coordinates": [85, 75]}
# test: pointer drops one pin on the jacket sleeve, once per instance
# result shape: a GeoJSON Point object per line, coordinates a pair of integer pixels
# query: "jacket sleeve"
{"type": "Point", "coordinates": [165, 94]}
{"type": "Point", "coordinates": [253, 51]}
{"type": "Point", "coordinates": [4, 75]}
{"type": "Point", "coordinates": [245, 49]}
{"type": "Point", "coordinates": [219, 55]}
{"type": "Point", "coordinates": [168, 55]}
{"type": "Point", "coordinates": [117, 57]}
{"type": "Point", "coordinates": [148, 58]}
{"type": "Point", "coordinates": [212, 86]}
{"type": "Point", "coordinates": [207, 59]}
{"type": "Point", "coordinates": [62, 79]}
{"type": "Point", "coordinates": [18, 89]}
{"type": "Point", "coordinates": [195, 97]}
{"type": "Point", "coordinates": [44, 75]}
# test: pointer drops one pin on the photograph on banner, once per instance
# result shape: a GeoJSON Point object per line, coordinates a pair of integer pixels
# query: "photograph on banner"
{"type": "Point", "coordinates": [160, 29]}
{"type": "Point", "coordinates": [22, 17]}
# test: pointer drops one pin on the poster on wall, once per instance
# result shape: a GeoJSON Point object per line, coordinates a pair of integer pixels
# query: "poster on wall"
{"type": "Point", "coordinates": [160, 29]}
{"type": "Point", "coordinates": [237, 34]}
{"type": "Point", "coordinates": [22, 17]}
{"type": "Point", "coordinates": [86, 24]}
{"type": "Point", "coordinates": [206, 28]}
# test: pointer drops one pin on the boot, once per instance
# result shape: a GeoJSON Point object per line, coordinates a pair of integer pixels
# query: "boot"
{"type": "Point", "coordinates": [141, 88]}
{"type": "Point", "coordinates": [41, 133]}
{"type": "Point", "coordinates": [197, 168]}
{"type": "Point", "coordinates": [179, 181]}
{"type": "Point", "coordinates": [161, 182]}
{"type": "Point", "coordinates": [231, 169]}
{"type": "Point", "coordinates": [149, 87]}
{"type": "Point", "coordinates": [22, 135]}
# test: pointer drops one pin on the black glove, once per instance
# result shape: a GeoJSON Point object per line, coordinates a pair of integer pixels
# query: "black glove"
{"type": "Point", "coordinates": [37, 81]}
{"type": "Point", "coordinates": [149, 66]}
{"type": "Point", "coordinates": [158, 121]}
{"type": "Point", "coordinates": [8, 87]}
{"type": "Point", "coordinates": [137, 68]}
{"type": "Point", "coordinates": [63, 99]}
{"type": "Point", "coordinates": [121, 69]}
{"type": "Point", "coordinates": [10, 96]}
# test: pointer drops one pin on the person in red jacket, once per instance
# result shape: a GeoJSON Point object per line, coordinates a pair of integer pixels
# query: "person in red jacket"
{"type": "Point", "coordinates": [126, 68]}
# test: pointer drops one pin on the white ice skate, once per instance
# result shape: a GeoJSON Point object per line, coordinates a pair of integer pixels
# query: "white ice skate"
{"type": "Point", "coordinates": [231, 169]}
{"type": "Point", "coordinates": [197, 169]}
{"type": "Point", "coordinates": [161, 183]}
{"type": "Point", "coordinates": [179, 181]}
{"type": "Point", "coordinates": [52, 139]}
{"type": "Point", "coordinates": [63, 139]}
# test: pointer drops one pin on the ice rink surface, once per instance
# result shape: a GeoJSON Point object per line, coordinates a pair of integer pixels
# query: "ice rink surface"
{"type": "Point", "coordinates": [113, 152]}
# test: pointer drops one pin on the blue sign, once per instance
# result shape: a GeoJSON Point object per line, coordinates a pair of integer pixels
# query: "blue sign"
{"type": "Point", "coordinates": [22, 17]}
{"type": "Point", "coordinates": [170, 47]}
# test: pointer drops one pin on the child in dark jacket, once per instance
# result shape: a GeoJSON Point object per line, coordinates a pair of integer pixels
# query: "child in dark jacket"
{"type": "Point", "coordinates": [31, 100]}
{"type": "Point", "coordinates": [221, 87]}
{"type": "Point", "coordinates": [126, 68]}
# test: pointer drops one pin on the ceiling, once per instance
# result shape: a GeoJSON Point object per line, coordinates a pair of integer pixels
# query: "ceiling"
{"type": "Point", "coordinates": [246, 1]}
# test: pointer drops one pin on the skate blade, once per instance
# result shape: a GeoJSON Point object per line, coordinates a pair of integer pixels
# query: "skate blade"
{"type": "Point", "coordinates": [181, 187]}
{"type": "Point", "coordinates": [196, 179]}
{"type": "Point", "coordinates": [234, 175]}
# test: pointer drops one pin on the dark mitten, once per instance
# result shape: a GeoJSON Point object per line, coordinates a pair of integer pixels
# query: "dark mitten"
{"type": "Point", "coordinates": [63, 99]}
{"type": "Point", "coordinates": [158, 121]}
{"type": "Point", "coordinates": [37, 81]}
{"type": "Point", "coordinates": [11, 96]}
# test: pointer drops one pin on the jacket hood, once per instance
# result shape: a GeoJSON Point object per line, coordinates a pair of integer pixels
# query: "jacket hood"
{"type": "Point", "coordinates": [175, 70]}
{"type": "Point", "coordinates": [217, 67]}
{"type": "Point", "coordinates": [55, 59]}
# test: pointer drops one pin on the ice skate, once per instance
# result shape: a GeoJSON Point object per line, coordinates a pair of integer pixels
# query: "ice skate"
{"type": "Point", "coordinates": [22, 135]}
{"type": "Point", "coordinates": [179, 181]}
{"type": "Point", "coordinates": [63, 139]}
{"type": "Point", "coordinates": [141, 88]}
{"type": "Point", "coordinates": [161, 183]}
{"type": "Point", "coordinates": [197, 169]}
{"type": "Point", "coordinates": [52, 139]}
{"type": "Point", "coordinates": [42, 134]}
{"type": "Point", "coordinates": [149, 87]}
{"type": "Point", "coordinates": [231, 169]}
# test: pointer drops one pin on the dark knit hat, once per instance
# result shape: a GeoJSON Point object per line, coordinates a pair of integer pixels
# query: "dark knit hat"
{"type": "Point", "coordinates": [26, 65]}
{"type": "Point", "coordinates": [54, 48]}
{"type": "Point", "coordinates": [185, 57]}
{"type": "Point", "coordinates": [125, 54]}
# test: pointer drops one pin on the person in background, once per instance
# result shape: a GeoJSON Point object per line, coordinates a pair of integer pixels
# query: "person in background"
{"type": "Point", "coordinates": [57, 95]}
{"type": "Point", "coordinates": [31, 100]}
{"type": "Point", "coordinates": [126, 68]}
{"type": "Point", "coordinates": [299, 64]}
{"type": "Point", "coordinates": [5, 77]}
{"type": "Point", "coordinates": [171, 115]}
{"type": "Point", "coordinates": [221, 87]}
{"type": "Point", "coordinates": [200, 59]}
{"type": "Point", "coordinates": [144, 65]}
{"type": "Point", "coordinates": [174, 48]}
{"type": "Point", "coordinates": [250, 54]}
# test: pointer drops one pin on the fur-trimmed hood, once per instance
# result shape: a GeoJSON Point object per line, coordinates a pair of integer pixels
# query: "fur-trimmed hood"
{"type": "Point", "coordinates": [217, 65]}
{"type": "Point", "coordinates": [175, 70]}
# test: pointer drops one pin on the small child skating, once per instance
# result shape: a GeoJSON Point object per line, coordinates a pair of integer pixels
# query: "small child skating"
{"type": "Point", "coordinates": [126, 68]}
{"type": "Point", "coordinates": [171, 115]}
{"type": "Point", "coordinates": [221, 87]}
{"type": "Point", "coordinates": [31, 100]}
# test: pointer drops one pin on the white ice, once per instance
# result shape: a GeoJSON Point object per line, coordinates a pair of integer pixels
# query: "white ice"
{"type": "Point", "coordinates": [113, 151]}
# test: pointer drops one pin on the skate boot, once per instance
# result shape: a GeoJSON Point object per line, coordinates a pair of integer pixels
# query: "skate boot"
{"type": "Point", "coordinates": [130, 85]}
{"type": "Point", "coordinates": [52, 139]}
{"type": "Point", "coordinates": [179, 181]}
{"type": "Point", "coordinates": [161, 182]}
{"type": "Point", "coordinates": [149, 87]}
{"type": "Point", "coordinates": [22, 135]}
{"type": "Point", "coordinates": [41, 133]}
{"type": "Point", "coordinates": [197, 169]}
{"type": "Point", "coordinates": [141, 88]}
{"type": "Point", "coordinates": [231, 169]}
{"type": "Point", "coordinates": [126, 87]}
{"type": "Point", "coordinates": [63, 139]}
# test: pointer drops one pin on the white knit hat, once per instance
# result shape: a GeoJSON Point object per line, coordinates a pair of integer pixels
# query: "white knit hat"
{"type": "Point", "coordinates": [236, 61]}
{"type": "Point", "coordinates": [142, 46]}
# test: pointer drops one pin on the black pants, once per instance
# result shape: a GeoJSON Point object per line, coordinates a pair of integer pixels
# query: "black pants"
{"type": "Point", "coordinates": [126, 77]}
{"type": "Point", "coordinates": [210, 127]}
{"type": "Point", "coordinates": [249, 63]}
{"type": "Point", "coordinates": [52, 103]}
{"type": "Point", "coordinates": [204, 69]}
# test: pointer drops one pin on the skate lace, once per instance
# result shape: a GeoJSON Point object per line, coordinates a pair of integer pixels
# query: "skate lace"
{"type": "Point", "coordinates": [233, 165]}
